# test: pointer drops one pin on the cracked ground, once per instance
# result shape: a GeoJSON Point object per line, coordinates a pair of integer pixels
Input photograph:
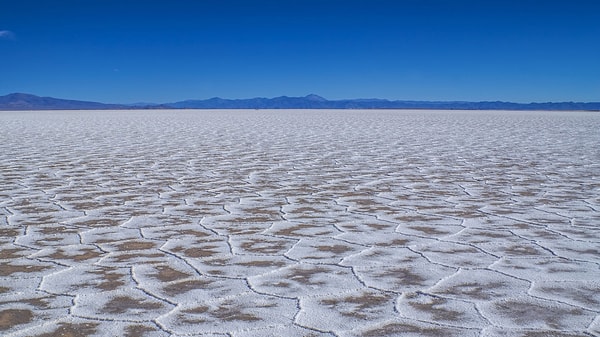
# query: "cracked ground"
{"type": "Point", "coordinates": [299, 223]}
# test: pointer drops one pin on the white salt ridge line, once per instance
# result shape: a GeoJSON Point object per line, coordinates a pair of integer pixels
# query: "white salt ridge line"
{"type": "Point", "coordinates": [4, 222]}
{"type": "Point", "coordinates": [594, 328]}
{"type": "Point", "coordinates": [137, 222]}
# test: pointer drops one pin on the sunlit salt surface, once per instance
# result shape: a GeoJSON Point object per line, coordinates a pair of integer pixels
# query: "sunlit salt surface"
{"type": "Point", "coordinates": [299, 223]}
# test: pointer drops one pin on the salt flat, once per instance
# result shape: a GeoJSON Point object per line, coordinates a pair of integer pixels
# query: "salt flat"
{"type": "Point", "coordinates": [299, 223]}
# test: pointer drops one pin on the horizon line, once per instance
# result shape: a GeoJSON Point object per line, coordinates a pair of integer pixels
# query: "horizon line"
{"type": "Point", "coordinates": [317, 96]}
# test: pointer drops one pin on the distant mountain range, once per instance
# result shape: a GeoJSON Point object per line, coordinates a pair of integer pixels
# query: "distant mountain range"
{"type": "Point", "coordinates": [19, 101]}
{"type": "Point", "coordinates": [31, 102]}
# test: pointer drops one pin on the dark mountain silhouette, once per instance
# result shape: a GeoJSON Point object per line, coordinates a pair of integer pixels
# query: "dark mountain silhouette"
{"type": "Point", "coordinates": [316, 102]}
{"type": "Point", "coordinates": [32, 102]}
{"type": "Point", "coordinates": [20, 101]}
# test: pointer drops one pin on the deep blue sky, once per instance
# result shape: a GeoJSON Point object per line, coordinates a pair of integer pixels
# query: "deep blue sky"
{"type": "Point", "coordinates": [163, 51]}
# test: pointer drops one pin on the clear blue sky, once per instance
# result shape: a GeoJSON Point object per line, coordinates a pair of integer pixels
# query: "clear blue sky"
{"type": "Point", "coordinates": [163, 51]}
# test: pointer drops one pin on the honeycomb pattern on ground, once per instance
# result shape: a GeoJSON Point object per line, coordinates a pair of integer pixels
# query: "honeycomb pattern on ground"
{"type": "Point", "coordinates": [299, 223]}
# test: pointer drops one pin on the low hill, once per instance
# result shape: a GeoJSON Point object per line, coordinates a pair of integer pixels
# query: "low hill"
{"type": "Point", "coordinates": [19, 101]}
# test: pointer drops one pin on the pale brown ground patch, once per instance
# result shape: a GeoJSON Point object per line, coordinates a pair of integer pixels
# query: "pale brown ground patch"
{"type": "Point", "coordinates": [135, 245]}
{"type": "Point", "coordinates": [138, 330]}
{"type": "Point", "coordinates": [182, 287]}
{"type": "Point", "coordinates": [79, 255]}
{"type": "Point", "coordinates": [109, 278]}
{"type": "Point", "coordinates": [165, 273]}
{"type": "Point", "coordinates": [72, 330]}
{"type": "Point", "coordinates": [11, 253]}
{"type": "Point", "coordinates": [401, 329]}
{"type": "Point", "coordinates": [224, 312]}
{"type": "Point", "coordinates": [123, 304]}
{"type": "Point", "coordinates": [10, 318]}
{"type": "Point", "coordinates": [358, 306]}
{"type": "Point", "coordinates": [8, 269]}
{"type": "Point", "coordinates": [434, 307]}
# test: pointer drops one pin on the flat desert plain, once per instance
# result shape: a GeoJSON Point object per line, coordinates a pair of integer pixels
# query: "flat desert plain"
{"type": "Point", "coordinates": [299, 223]}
